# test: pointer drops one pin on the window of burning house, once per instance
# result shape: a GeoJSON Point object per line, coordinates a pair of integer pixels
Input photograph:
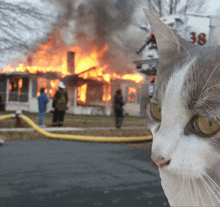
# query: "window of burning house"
{"type": "Point", "coordinates": [49, 85]}
{"type": "Point", "coordinates": [92, 93]}
{"type": "Point", "coordinates": [81, 94]}
{"type": "Point", "coordinates": [18, 89]}
{"type": "Point", "coordinates": [106, 93]}
{"type": "Point", "coordinates": [132, 95]}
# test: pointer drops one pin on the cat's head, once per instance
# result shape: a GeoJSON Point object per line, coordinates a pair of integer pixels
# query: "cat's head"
{"type": "Point", "coordinates": [184, 112]}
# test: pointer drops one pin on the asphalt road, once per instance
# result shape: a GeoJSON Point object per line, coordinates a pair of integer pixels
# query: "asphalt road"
{"type": "Point", "coordinates": [55, 173]}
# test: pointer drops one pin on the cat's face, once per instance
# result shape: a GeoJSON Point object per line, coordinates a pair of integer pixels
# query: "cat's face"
{"type": "Point", "coordinates": [184, 112]}
{"type": "Point", "coordinates": [183, 117]}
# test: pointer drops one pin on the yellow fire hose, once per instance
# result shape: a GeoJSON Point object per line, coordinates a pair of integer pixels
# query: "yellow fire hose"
{"type": "Point", "coordinates": [77, 137]}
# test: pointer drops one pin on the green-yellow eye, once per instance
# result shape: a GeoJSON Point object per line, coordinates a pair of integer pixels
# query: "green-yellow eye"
{"type": "Point", "coordinates": [155, 111]}
{"type": "Point", "coordinates": [205, 126]}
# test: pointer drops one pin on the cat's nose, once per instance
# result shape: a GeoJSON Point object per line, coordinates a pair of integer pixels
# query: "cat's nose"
{"type": "Point", "coordinates": [159, 161]}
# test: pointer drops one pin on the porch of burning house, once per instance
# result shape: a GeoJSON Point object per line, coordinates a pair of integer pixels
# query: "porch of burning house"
{"type": "Point", "coordinates": [19, 90]}
{"type": "Point", "coordinates": [90, 92]}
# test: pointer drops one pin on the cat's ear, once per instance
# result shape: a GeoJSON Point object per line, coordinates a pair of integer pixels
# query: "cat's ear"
{"type": "Point", "coordinates": [167, 40]}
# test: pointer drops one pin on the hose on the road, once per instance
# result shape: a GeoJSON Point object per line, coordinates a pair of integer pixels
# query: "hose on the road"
{"type": "Point", "coordinates": [77, 137]}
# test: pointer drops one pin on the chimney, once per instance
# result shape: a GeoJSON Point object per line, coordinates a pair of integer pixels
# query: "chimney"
{"type": "Point", "coordinates": [30, 58]}
{"type": "Point", "coordinates": [71, 62]}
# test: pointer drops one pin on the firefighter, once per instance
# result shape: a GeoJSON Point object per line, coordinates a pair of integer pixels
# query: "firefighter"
{"type": "Point", "coordinates": [118, 108]}
{"type": "Point", "coordinates": [151, 87]}
{"type": "Point", "coordinates": [150, 39]}
{"type": "Point", "coordinates": [60, 101]}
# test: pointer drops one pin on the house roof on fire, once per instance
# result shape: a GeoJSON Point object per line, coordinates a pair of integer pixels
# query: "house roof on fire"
{"type": "Point", "coordinates": [77, 79]}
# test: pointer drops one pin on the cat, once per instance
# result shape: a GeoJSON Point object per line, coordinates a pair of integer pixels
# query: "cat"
{"type": "Point", "coordinates": [184, 118]}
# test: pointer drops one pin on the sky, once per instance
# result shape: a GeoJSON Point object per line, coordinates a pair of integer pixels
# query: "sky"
{"type": "Point", "coordinates": [214, 6]}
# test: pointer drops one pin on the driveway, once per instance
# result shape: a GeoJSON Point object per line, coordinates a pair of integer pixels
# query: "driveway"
{"type": "Point", "coordinates": [55, 173]}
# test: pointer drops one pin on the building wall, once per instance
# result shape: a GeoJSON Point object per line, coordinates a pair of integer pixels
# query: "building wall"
{"type": "Point", "coordinates": [87, 110]}
{"type": "Point", "coordinates": [106, 108]}
{"type": "Point", "coordinates": [132, 109]}
{"type": "Point", "coordinates": [33, 102]}
{"type": "Point", "coordinates": [13, 106]}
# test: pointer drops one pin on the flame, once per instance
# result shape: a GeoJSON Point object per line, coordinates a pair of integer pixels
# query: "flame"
{"type": "Point", "coordinates": [44, 83]}
{"type": "Point", "coordinates": [53, 87]}
{"type": "Point", "coordinates": [106, 90]}
{"type": "Point", "coordinates": [81, 94]}
{"type": "Point", "coordinates": [85, 61]}
{"type": "Point", "coordinates": [10, 87]}
{"type": "Point", "coordinates": [20, 84]}
{"type": "Point", "coordinates": [134, 77]}
{"type": "Point", "coordinates": [131, 94]}
{"type": "Point", "coordinates": [52, 57]}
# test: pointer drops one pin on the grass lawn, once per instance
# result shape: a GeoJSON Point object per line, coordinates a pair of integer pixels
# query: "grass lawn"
{"type": "Point", "coordinates": [77, 121]}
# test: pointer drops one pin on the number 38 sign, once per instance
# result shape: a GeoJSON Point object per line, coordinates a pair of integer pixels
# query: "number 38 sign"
{"type": "Point", "coordinates": [200, 38]}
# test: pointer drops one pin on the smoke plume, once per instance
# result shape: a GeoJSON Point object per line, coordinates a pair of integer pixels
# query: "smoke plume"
{"type": "Point", "coordinates": [93, 23]}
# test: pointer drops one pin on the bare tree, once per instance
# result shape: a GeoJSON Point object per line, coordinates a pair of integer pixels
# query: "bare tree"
{"type": "Point", "coordinates": [176, 2]}
{"type": "Point", "coordinates": [20, 25]}
{"type": "Point", "coordinates": [170, 7]}
{"type": "Point", "coordinates": [156, 6]}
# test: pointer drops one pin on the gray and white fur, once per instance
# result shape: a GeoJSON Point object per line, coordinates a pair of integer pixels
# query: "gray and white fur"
{"type": "Point", "coordinates": [187, 85]}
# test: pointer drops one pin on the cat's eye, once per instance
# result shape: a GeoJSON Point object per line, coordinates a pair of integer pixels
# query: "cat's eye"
{"type": "Point", "coordinates": [206, 126]}
{"type": "Point", "coordinates": [155, 111]}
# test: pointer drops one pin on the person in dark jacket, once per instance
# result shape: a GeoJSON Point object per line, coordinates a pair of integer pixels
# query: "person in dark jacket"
{"type": "Point", "coordinates": [118, 108]}
{"type": "Point", "coordinates": [42, 105]}
{"type": "Point", "coordinates": [60, 101]}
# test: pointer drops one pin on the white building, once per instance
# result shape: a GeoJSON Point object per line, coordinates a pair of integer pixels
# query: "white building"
{"type": "Point", "coordinates": [19, 90]}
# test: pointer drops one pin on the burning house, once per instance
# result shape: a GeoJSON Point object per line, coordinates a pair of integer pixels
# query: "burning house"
{"type": "Point", "coordinates": [90, 83]}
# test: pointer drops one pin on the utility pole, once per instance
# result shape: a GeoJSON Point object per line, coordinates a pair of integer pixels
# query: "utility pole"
{"type": "Point", "coordinates": [171, 7]}
{"type": "Point", "coordinates": [149, 5]}
{"type": "Point", "coordinates": [160, 7]}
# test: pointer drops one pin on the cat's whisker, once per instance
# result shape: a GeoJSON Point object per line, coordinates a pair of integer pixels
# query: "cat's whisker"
{"type": "Point", "coordinates": [213, 182]}
{"type": "Point", "coordinates": [183, 180]}
{"type": "Point", "coordinates": [190, 190]}
{"type": "Point", "coordinates": [196, 193]}
{"type": "Point", "coordinates": [180, 199]}
{"type": "Point", "coordinates": [210, 108]}
{"type": "Point", "coordinates": [211, 190]}
{"type": "Point", "coordinates": [208, 80]}
{"type": "Point", "coordinates": [208, 89]}
{"type": "Point", "coordinates": [197, 187]}
{"type": "Point", "coordinates": [208, 191]}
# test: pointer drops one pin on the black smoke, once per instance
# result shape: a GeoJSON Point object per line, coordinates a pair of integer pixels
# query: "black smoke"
{"type": "Point", "coordinates": [99, 19]}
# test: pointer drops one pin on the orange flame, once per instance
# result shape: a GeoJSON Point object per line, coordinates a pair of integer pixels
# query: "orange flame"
{"type": "Point", "coordinates": [52, 57]}
{"type": "Point", "coordinates": [10, 87]}
{"type": "Point", "coordinates": [81, 94]}
{"type": "Point", "coordinates": [131, 94]}
{"type": "Point", "coordinates": [134, 77]}
{"type": "Point", "coordinates": [45, 83]}
{"type": "Point", "coordinates": [106, 91]}
{"type": "Point", "coordinates": [20, 84]}
{"type": "Point", "coordinates": [53, 87]}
